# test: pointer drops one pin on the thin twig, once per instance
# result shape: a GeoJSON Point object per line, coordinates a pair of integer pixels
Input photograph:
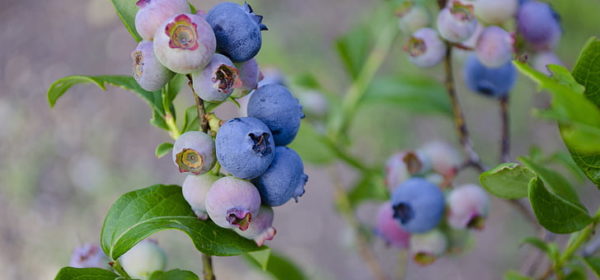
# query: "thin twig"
{"type": "Point", "coordinates": [207, 272]}
{"type": "Point", "coordinates": [505, 138]}
{"type": "Point", "coordinates": [199, 106]}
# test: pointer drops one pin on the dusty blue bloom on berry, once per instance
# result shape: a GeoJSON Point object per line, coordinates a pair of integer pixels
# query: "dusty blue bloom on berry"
{"type": "Point", "coordinates": [426, 248]}
{"type": "Point", "coordinates": [539, 24]}
{"type": "Point", "coordinates": [194, 152]}
{"type": "Point", "coordinates": [218, 80]}
{"type": "Point", "coordinates": [493, 82]}
{"type": "Point", "coordinates": [425, 48]}
{"type": "Point", "coordinates": [144, 259]}
{"type": "Point", "coordinates": [238, 30]}
{"type": "Point", "coordinates": [457, 22]}
{"type": "Point", "coordinates": [388, 228]}
{"type": "Point", "coordinates": [88, 255]}
{"type": "Point", "coordinates": [468, 206]}
{"type": "Point", "coordinates": [147, 71]}
{"type": "Point", "coordinates": [232, 203]}
{"type": "Point", "coordinates": [494, 46]}
{"type": "Point", "coordinates": [261, 228]}
{"type": "Point", "coordinates": [284, 180]}
{"type": "Point", "coordinates": [153, 13]}
{"type": "Point", "coordinates": [495, 11]}
{"type": "Point", "coordinates": [245, 147]}
{"type": "Point", "coordinates": [195, 188]}
{"type": "Point", "coordinates": [184, 43]}
{"type": "Point", "coordinates": [279, 110]}
{"type": "Point", "coordinates": [418, 205]}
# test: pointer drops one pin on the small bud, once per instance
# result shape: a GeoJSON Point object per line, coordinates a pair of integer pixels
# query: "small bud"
{"type": "Point", "coordinates": [428, 247]}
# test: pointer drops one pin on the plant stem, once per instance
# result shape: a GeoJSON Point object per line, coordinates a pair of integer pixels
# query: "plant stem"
{"type": "Point", "coordinates": [364, 250]}
{"type": "Point", "coordinates": [345, 156]}
{"type": "Point", "coordinates": [505, 138]}
{"type": "Point", "coordinates": [207, 272]}
{"type": "Point", "coordinates": [473, 158]}
{"type": "Point", "coordinates": [199, 106]}
{"type": "Point", "coordinates": [119, 269]}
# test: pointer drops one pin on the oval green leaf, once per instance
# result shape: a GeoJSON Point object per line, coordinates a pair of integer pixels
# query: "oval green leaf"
{"type": "Point", "coordinates": [278, 266]}
{"type": "Point", "coordinates": [508, 180]}
{"type": "Point", "coordinates": [71, 273]}
{"type": "Point", "coordinates": [163, 149]}
{"type": "Point", "coordinates": [138, 214]}
{"type": "Point", "coordinates": [176, 274]}
{"type": "Point", "coordinates": [555, 213]}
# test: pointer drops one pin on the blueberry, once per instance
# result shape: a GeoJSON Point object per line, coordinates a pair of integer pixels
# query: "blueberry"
{"type": "Point", "coordinates": [232, 203]}
{"type": "Point", "coordinates": [245, 147]}
{"type": "Point", "coordinates": [418, 205]}
{"type": "Point", "coordinates": [88, 255]}
{"type": "Point", "coordinates": [495, 11]}
{"type": "Point", "coordinates": [285, 178]}
{"type": "Point", "coordinates": [218, 80]}
{"type": "Point", "coordinates": [494, 47]}
{"type": "Point", "coordinates": [427, 247]}
{"type": "Point", "coordinates": [444, 158]}
{"type": "Point", "coordinates": [539, 24]}
{"type": "Point", "coordinates": [195, 188]}
{"type": "Point", "coordinates": [184, 43]}
{"type": "Point", "coordinates": [542, 59]}
{"type": "Point", "coordinates": [412, 17]}
{"type": "Point", "coordinates": [279, 110]}
{"type": "Point", "coordinates": [425, 48]}
{"type": "Point", "coordinates": [153, 13]}
{"type": "Point", "coordinates": [143, 259]}
{"type": "Point", "coordinates": [261, 228]}
{"type": "Point", "coordinates": [194, 152]}
{"type": "Point", "coordinates": [238, 30]}
{"type": "Point", "coordinates": [388, 229]}
{"type": "Point", "coordinates": [457, 22]}
{"type": "Point", "coordinates": [249, 74]}
{"type": "Point", "coordinates": [147, 71]}
{"type": "Point", "coordinates": [493, 82]}
{"type": "Point", "coordinates": [468, 207]}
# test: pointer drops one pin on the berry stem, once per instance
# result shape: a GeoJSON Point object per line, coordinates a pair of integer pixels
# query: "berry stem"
{"type": "Point", "coordinates": [505, 140]}
{"type": "Point", "coordinates": [199, 106]}
{"type": "Point", "coordinates": [207, 272]}
{"type": "Point", "coordinates": [119, 269]}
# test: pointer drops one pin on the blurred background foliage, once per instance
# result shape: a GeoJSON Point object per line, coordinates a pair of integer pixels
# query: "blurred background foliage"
{"type": "Point", "coordinates": [61, 168]}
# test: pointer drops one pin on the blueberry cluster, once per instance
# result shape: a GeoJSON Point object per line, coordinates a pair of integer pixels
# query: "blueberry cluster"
{"type": "Point", "coordinates": [478, 26]}
{"type": "Point", "coordinates": [217, 50]}
{"type": "Point", "coordinates": [425, 214]}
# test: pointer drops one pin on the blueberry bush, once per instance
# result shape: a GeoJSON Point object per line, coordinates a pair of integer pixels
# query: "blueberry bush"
{"type": "Point", "coordinates": [239, 170]}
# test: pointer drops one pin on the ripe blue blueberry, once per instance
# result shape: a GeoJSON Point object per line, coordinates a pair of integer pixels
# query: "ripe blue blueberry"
{"type": "Point", "coordinates": [388, 228]}
{"type": "Point", "coordinates": [457, 22]}
{"type": "Point", "coordinates": [284, 180]}
{"type": "Point", "coordinates": [468, 206]}
{"type": "Point", "coordinates": [143, 259]}
{"type": "Point", "coordinates": [194, 152]}
{"type": "Point", "coordinates": [279, 110]}
{"type": "Point", "coordinates": [245, 147]}
{"type": "Point", "coordinates": [195, 188]}
{"type": "Point", "coordinates": [494, 47]}
{"type": "Point", "coordinates": [218, 80]}
{"type": "Point", "coordinates": [153, 13]}
{"type": "Point", "coordinates": [147, 71]}
{"type": "Point", "coordinates": [425, 48]}
{"type": "Point", "coordinates": [184, 43]}
{"type": "Point", "coordinates": [88, 255]}
{"type": "Point", "coordinates": [232, 203]}
{"type": "Point", "coordinates": [539, 24]}
{"type": "Point", "coordinates": [418, 205]}
{"type": "Point", "coordinates": [426, 248]}
{"type": "Point", "coordinates": [238, 30]}
{"type": "Point", "coordinates": [493, 82]}
{"type": "Point", "coordinates": [261, 228]}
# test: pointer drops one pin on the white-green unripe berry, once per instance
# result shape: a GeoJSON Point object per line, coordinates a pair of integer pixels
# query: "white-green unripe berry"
{"type": "Point", "coordinates": [143, 259]}
{"type": "Point", "coordinates": [195, 189]}
{"type": "Point", "coordinates": [147, 71]}
{"type": "Point", "coordinates": [426, 248]}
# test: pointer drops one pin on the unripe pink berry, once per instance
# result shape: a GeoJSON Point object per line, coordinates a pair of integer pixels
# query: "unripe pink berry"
{"type": "Point", "coordinates": [232, 203]}
{"type": "Point", "coordinates": [412, 17]}
{"type": "Point", "coordinates": [428, 247]}
{"type": "Point", "coordinates": [195, 188]}
{"type": "Point", "coordinates": [88, 255]}
{"type": "Point", "coordinates": [261, 228]}
{"type": "Point", "coordinates": [494, 47]}
{"type": "Point", "coordinates": [194, 152]}
{"type": "Point", "coordinates": [153, 13]}
{"type": "Point", "coordinates": [147, 71]}
{"type": "Point", "coordinates": [445, 159]}
{"type": "Point", "coordinates": [425, 48]}
{"type": "Point", "coordinates": [184, 43]}
{"type": "Point", "coordinates": [389, 229]}
{"type": "Point", "coordinates": [496, 11]}
{"type": "Point", "coordinates": [218, 80]}
{"type": "Point", "coordinates": [468, 207]}
{"type": "Point", "coordinates": [457, 22]}
{"type": "Point", "coordinates": [543, 59]}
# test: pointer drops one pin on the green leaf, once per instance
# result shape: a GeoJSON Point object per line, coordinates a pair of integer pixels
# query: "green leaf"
{"type": "Point", "coordinates": [163, 149]}
{"type": "Point", "coordinates": [193, 8]}
{"type": "Point", "coordinates": [594, 264]}
{"type": "Point", "coordinates": [71, 273]}
{"type": "Point", "coordinates": [60, 86]}
{"type": "Point", "coordinates": [368, 188]}
{"type": "Point", "coordinates": [587, 68]}
{"type": "Point", "coordinates": [416, 94]}
{"type": "Point", "coordinates": [280, 267]}
{"type": "Point", "coordinates": [175, 274]}
{"type": "Point", "coordinates": [126, 9]}
{"type": "Point", "coordinates": [508, 180]}
{"type": "Point", "coordinates": [353, 48]}
{"type": "Point", "coordinates": [515, 275]}
{"type": "Point", "coordinates": [549, 248]}
{"type": "Point", "coordinates": [310, 145]}
{"type": "Point", "coordinates": [138, 214]}
{"type": "Point", "coordinates": [158, 120]}
{"type": "Point", "coordinates": [556, 182]}
{"type": "Point", "coordinates": [555, 213]}
{"type": "Point", "coordinates": [261, 257]}
{"type": "Point", "coordinates": [190, 120]}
